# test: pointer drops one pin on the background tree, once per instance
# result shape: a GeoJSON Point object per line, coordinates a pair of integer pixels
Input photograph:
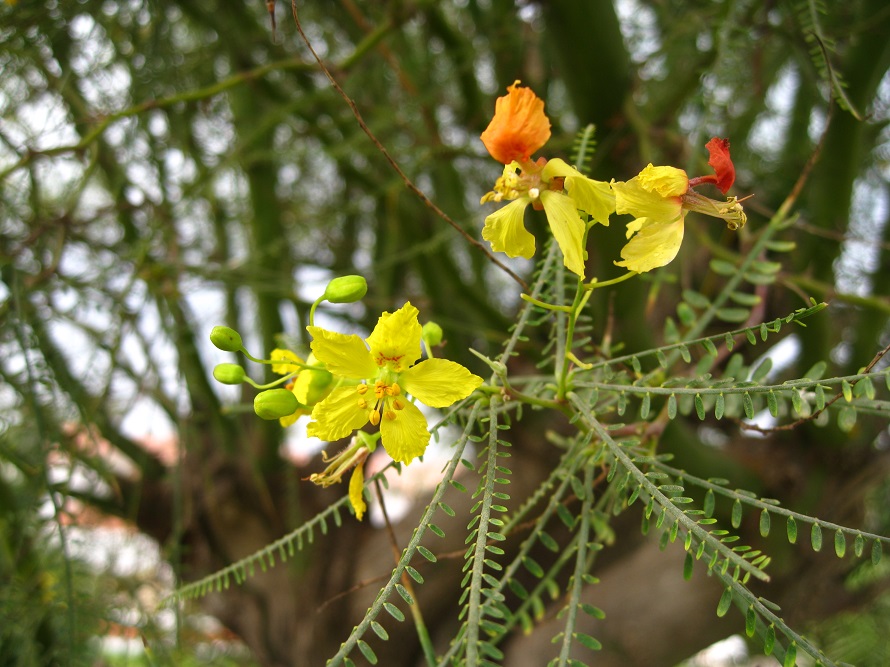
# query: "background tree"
{"type": "Point", "coordinates": [168, 166]}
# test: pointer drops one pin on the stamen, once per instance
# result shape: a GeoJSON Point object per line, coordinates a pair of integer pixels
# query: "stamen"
{"type": "Point", "coordinates": [375, 417]}
{"type": "Point", "coordinates": [390, 415]}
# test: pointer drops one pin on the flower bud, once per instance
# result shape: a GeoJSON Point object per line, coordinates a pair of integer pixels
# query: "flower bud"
{"type": "Point", "coordinates": [432, 334]}
{"type": "Point", "coordinates": [275, 403]}
{"type": "Point", "coordinates": [228, 373]}
{"type": "Point", "coordinates": [226, 339]}
{"type": "Point", "coordinates": [346, 289]}
{"type": "Point", "coordinates": [318, 386]}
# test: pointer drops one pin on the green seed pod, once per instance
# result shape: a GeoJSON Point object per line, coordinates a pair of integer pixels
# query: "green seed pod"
{"type": "Point", "coordinates": [275, 403]}
{"type": "Point", "coordinates": [229, 373]}
{"type": "Point", "coordinates": [432, 334]}
{"type": "Point", "coordinates": [346, 289]}
{"type": "Point", "coordinates": [226, 339]}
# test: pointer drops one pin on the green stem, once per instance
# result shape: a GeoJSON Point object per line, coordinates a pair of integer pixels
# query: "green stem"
{"type": "Point", "coordinates": [595, 284]}
{"type": "Point", "coordinates": [312, 310]}
{"type": "Point", "coordinates": [274, 383]}
{"type": "Point", "coordinates": [567, 356]}
{"type": "Point", "coordinates": [542, 304]}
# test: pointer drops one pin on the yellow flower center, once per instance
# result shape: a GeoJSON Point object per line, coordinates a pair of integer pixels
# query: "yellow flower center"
{"type": "Point", "coordinates": [386, 403]}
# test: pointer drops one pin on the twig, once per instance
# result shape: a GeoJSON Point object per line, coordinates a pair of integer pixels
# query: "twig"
{"type": "Point", "coordinates": [379, 146]}
{"type": "Point", "coordinates": [804, 420]}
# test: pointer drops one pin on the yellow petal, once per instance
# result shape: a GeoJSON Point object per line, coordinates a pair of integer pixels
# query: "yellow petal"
{"type": "Point", "coordinates": [338, 415]}
{"type": "Point", "coordinates": [567, 228]}
{"type": "Point", "coordinates": [288, 421]}
{"type": "Point", "coordinates": [593, 197]}
{"type": "Point", "coordinates": [406, 436]}
{"type": "Point", "coordinates": [653, 246]}
{"type": "Point", "coordinates": [505, 231]}
{"type": "Point", "coordinates": [438, 382]}
{"type": "Point", "coordinates": [631, 197]}
{"type": "Point", "coordinates": [312, 386]}
{"type": "Point", "coordinates": [664, 181]}
{"type": "Point", "coordinates": [356, 488]}
{"type": "Point", "coordinates": [396, 338]}
{"type": "Point", "coordinates": [292, 419]}
{"type": "Point", "coordinates": [342, 354]}
{"type": "Point", "coordinates": [284, 356]}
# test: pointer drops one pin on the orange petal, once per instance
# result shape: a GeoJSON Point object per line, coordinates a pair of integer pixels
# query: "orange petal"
{"type": "Point", "coordinates": [519, 126]}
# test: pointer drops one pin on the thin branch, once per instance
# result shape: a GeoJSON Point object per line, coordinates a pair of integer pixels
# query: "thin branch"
{"type": "Point", "coordinates": [803, 420]}
{"type": "Point", "coordinates": [379, 146]}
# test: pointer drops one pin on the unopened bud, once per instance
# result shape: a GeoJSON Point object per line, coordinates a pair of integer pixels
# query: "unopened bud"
{"type": "Point", "coordinates": [432, 334]}
{"type": "Point", "coordinates": [319, 382]}
{"type": "Point", "coordinates": [275, 404]}
{"type": "Point", "coordinates": [229, 373]}
{"type": "Point", "coordinates": [346, 289]}
{"type": "Point", "coordinates": [226, 339]}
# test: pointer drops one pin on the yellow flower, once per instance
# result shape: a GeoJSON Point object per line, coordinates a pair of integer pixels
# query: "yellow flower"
{"type": "Point", "coordinates": [558, 189]}
{"type": "Point", "coordinates": [660, 197]}
{"type": "Point", "coordinates": [519, 126]}
{"type": "Point", "coordinates": [383, 376]}
{"type": "Point", "coordinates": [654, 198]}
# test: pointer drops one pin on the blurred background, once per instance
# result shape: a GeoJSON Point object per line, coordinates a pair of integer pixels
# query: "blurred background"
{"type": "Point", "coordinates": [169, 166]}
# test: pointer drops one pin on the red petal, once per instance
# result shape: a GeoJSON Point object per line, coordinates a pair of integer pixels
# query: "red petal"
{"type": "Point", "coordinates": [721, 162]}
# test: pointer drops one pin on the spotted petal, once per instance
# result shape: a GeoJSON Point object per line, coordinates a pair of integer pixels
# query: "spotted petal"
{"type": "Point", "coordinates": [505, 230]}
{"type": "Point", "coordinates": [406, 436]}
{"type": "Point", "coordinates": [396, 338]}
{"type": "Point", "coordinates": [438, 382]}
{"type": "Point", "coordinates": [338, 415]}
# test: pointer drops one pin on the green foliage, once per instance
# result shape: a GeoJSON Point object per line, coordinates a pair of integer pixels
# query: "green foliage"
{"type": "Point", "coordinates": [193, 168]}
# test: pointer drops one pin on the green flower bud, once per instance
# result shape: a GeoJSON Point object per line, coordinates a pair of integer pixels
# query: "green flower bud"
{"type": "Point", "coordinates": [225, 339]}
{"type": "Point", "coordinates": [319, 382]}
{"type": "Point", "coordinates": [432, 334]}
{"type": "Point", "coordinates": [275, 403]}
{"type": "Point", "coordinates": [346, 289]}
{"type": "Point", "coordinates": [229, 373]}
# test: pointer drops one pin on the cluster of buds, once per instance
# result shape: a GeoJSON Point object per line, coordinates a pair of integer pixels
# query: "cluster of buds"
{"type": "Point", "coordinates": [305, 382]}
